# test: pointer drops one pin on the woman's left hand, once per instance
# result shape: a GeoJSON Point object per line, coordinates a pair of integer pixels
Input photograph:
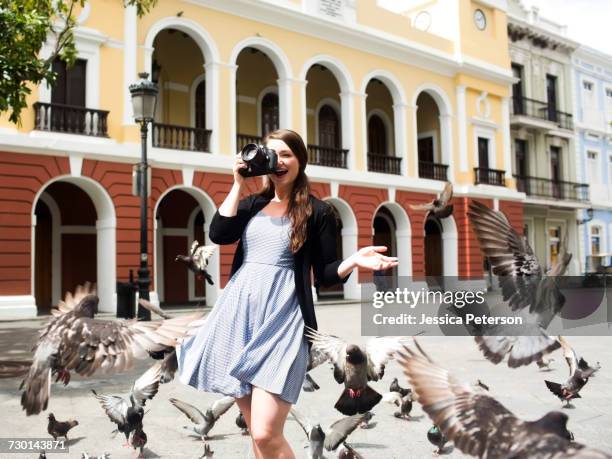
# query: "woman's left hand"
{"type": "Point", "coordinates": [372, 259]}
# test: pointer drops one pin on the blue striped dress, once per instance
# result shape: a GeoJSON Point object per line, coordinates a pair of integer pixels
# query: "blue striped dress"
{"type": "Point", "coordinates": [254, 335]}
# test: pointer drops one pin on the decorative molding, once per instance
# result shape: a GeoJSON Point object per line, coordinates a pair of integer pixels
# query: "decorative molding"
{"type": "Point", "coordinates": [187, 173]}
{"type": "Point", "coordinates": [76, 164]}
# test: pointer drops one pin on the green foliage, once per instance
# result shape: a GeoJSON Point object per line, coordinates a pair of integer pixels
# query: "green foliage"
{"type": "Point", "coordinates": [25, 26]}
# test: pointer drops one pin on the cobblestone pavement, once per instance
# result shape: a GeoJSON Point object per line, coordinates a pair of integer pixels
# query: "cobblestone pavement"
{"type": "Point", "coordinates": [521, 390]}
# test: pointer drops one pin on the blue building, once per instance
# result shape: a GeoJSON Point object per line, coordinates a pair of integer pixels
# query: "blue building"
{"type": "Point", "coordinates": [593, 114]}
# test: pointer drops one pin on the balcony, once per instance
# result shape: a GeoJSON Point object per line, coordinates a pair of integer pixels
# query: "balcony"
{"type": "Point", "coordinates": [326, 156]}
{"type": "Point", "coordinates": [70, 119]}
{"type": "Point", "coordinates": [536, 113]}
{"type": "Point", "coordinates": [243, 139]}
{"type": "Point", "coordinates": [552, 189]}
{"type": "Point", "coordinates": [181, 137]}
{"type": "Point", "coordinates": [433, 171]}
{"type": "Point", "coordinates": [383, 163]}
{"type": "Point", "coordinates": [485, 176]}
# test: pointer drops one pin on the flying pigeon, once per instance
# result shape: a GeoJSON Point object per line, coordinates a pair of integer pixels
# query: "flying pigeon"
{"type": "Point", "coordinates": [197, 260]}
{"type": "Point", "coordinates": [204, 422]}
{"type": "Point", "coordinates": [439, 207]}
{"type": "Point", "coordinates": [436, 438]}
{"type": "Point", "coordinates": [404, 403]}
{"type": "Point", "coordinates": [478, 424]}
{"type": "Point", "coordinates": [354, 367]}
{"type": "Point", "coordinates": [579, 373]}
{"type": "Point", "coordinates": [75, 340]}
{"type": "Point", "coordinates": [329, 439]}
{"type": "Point", "coordinates": [128, 412]}
{"type": "Point", "coordinates": [60, 428]}
{"type": "Point", "coordinates": [524, 287]}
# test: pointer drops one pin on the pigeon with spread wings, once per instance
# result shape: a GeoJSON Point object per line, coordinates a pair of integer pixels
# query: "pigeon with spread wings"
{"type": "Point", "coordinates": [128, 412]}
{"type": "Point", "coordinates": [439, 207]}
{"type": "Point", "coordinates": [329, 439]}
{"type": "Point", "coordinates": [478, 424]}
{"type": "Point", "coordinates": [75, 340]}
{"type": "Point", "coordinates": [354, 367]}
{"type": "Point", "coordinates": [524, 287]}
{"type": "Point", "coordinates": [204, 422]}
{"type": "Point", "coordinates": [197, 260]}
{"type": "Point", "coordinates": [579, 373]}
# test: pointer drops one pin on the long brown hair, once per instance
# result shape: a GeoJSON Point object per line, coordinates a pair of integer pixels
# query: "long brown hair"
{"type": "Point", "coordinates": [299, 208]}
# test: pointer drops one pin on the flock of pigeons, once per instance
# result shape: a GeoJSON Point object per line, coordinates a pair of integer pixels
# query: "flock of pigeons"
{"type": "Point", "coordinates": [464, 414]}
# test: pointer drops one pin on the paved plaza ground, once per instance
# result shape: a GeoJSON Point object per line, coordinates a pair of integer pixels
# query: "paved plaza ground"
{"type": "Point", "coordinates": [521, 390]}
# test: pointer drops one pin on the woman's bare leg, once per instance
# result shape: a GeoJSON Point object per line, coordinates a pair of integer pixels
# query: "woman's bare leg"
{"type": "Point", "coordinates": [268, 415]}
{"type": "Point", "coordinates": [244, 403]}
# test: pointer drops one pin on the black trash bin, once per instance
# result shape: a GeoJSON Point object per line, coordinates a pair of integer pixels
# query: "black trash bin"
{"type": "Point", "coordinates": [126, 299]}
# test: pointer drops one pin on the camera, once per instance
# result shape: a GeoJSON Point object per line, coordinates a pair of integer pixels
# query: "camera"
{"type": "Point", "coordinates": [260, 160]}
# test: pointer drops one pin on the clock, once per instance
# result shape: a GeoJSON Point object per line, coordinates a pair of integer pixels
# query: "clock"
{"type": "Point", "coordinates": [480, 19]}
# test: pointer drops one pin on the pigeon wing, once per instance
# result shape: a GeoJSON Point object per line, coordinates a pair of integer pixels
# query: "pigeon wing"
{"type": "Point", "coordinates": [71, 300]}
{"type": "Point", "coordinates": [446, 195]}
{"type": "Point", "coordinates": [570, 355]}
{"type": "Point", "coordinates": [220, 406]}
{"type": "Point", "coordinates": [116, 407]}
{"type": "Point", "coordinates": [154, 309]}
{"type": "Point", "coordinates": [469, 419]}
{"type": "Point", "coordinates": [333, 347]}
{"type": "Point", "coordinates": [316, 357]}
{"type": "Point", "coordinates": [202, 254]}
{"type": "Point", "coordinates": [521, 350]}
{"type": "Point", "coordinates": [304, 423]}
{"type": "Point", "coordinates": [194, 247]}
{"type": "Point", "coordinates": [510, 255]}
{"type": "Point", "coordinates": [147, 385]}
{"type": "Point", "coordinates": [194, 415]}
{"type": "Point", "coordinates": [340, 430]}
{"type": "Point", "coordinates": [379, 351]}
{"type": "Point", "coordinates": [422, 207]}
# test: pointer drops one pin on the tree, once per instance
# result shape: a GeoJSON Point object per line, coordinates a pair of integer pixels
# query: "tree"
{"type": "Point", "coordinates": [25, 26]}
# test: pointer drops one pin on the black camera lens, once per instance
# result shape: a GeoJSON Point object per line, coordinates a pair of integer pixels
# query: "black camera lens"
{"type": "Point", "coordinates": [249, 151]}
{"type": "Point", "coordinates": [259, 159]}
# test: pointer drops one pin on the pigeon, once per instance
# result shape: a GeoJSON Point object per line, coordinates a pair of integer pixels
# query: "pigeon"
{"type": "Point", "coordinates": [204, 422]}
{"type": "Point", "coordinates": [579, 370]}
{"type": "Point", "coordinates": [241, 423]}
{"type": "Point", "coordinates": [128, 412]}
{"type": "Point", "coordinates": [355, 367]}
{"type": "Point", "coordinates": [60, 428]}
{"type": "Point", "coordinates": [404, 403]}
{"type": "Point", "coordinates": [329, 439]}
{"type": "Point", "coordinates": [544, 364]}
{"type": "Point", "coordinates": [436, 438]}
{"type": "Point", "coordinates": [395, 387]}
{"type": "Point", "coordinates": [309, 384]}
{"type": "Point", "coordinates": [197, 260]}
{"type": "Point", "coordinates": [439, 207]}
{"type": "Point", "coordinates": [74, 340]}
{"type": "Point", "coordinates": [138, 440]}
{"type": "Point", "coordinates": [524, 287]}
{"type": "Point", "coordinates": [14, 368]}
{"type": "Point", "coordinates": [477, 423]}
{"type": "Point", "coordinates": [347, 452]}
{"type": "Point", "coordinates": [207, 452]}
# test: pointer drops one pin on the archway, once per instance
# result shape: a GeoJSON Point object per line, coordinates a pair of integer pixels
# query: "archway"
{"type": "Point", "coordinates": [433, 252]}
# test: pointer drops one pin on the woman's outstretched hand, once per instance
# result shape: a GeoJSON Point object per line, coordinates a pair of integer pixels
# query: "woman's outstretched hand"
{"type": "Point", "coordinates": [370, 258]}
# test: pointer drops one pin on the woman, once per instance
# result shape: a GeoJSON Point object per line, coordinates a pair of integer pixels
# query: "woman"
{"type": "Point", "coordinates": [252, 345]}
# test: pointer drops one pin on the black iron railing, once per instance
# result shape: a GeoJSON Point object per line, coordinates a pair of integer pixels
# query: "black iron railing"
{"type": "Point", "coordinates": [244, 139]}
{"type": "Point", "coordinates": [70, 119]}
{"type": "Point", "coordinates": [385, 164]}
{"type": "Point", "coordinates": [327, 156]}
{"type": "Point", "coordinates": [554, 189]}
{"type": "Point", "coordinates": [538, 109]}
{"type": "Point", "coordinates": [489, 176]}
{"type": "Point", "coordinates": [181, 137]}
{"type": "Point", "coordinates": [433, 171]}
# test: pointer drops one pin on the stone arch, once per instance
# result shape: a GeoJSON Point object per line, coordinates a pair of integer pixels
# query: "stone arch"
{"type": "Point", "coordinates": [403, 236]}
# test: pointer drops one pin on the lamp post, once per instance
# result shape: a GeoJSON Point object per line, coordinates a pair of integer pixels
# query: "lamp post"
{"type": "Point", "coordinates": [144, 98]}
{"type": "Point", "coordinates": [590, 212]}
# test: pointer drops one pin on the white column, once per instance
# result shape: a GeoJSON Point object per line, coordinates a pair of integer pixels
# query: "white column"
{"type": "Point", "coordinates": [349, 246]}
{"type": "Point", "coordinates": [349, 142]}
{"type": "Point", "coordinates": [212, 103]}
{"type": "Point", "coordinates": [462, 127]}
{"type": "Point", "coordinates": [506, 137]}
{"type": "Point", "coordinates": [401, 141]}
{"type": "Point", "coordinates": [304, 114]}
{"type": "Point", "coordinates": [403, 238]}
{"type": "Point", "coordinates": [130, 47]}
{"type": "Point", "coordinates": [450, 253]}
{"type": "Point", "coordinates": [106, 264]}
{"type": "Point", "coordinates": [446, 147]}
{"type": "Point", "coordinates": [232, 98]}
{"type": "Point", "coordinates": [285, 103]}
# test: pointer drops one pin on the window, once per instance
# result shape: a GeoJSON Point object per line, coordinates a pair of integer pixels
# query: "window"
{"type": "Point", "coordinates": [587, 85]}
{"type": "Point", "coordinates": [269, 113]}
{"type": "Point", "coordinates": [595, 240]}
{"type": "Point", "coordinates": [329, 127]}
{"type": "Point", "coordinates": [593, 167]}
{"type": "Point", "coordinates": [551, 97]}
{"type": "Point", "coordinates": [483, 152]}
{"type": "Point", "coordinates": [377, 136]}
{"type": "Point", "coordinates": [554, 244]}
{"type": "Point", "coordinates": [517, 89]}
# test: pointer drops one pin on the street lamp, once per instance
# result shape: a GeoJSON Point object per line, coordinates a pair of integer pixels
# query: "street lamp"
{"type": "Point", "coordinates": [144, 98]}
{"type": "Point", "coordinates": [590, 213]}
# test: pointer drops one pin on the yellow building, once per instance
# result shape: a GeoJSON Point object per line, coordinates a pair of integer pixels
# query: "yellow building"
{"type": "Point", "coordinates": [391, 103]}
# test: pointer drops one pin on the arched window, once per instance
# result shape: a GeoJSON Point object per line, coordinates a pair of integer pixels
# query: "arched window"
{"type": "Point", "coordinates": [269, 113]}
{"type": "Point", "coordinates": [329, 127]}
{"type": "Point", "coordinates": [377, 136]}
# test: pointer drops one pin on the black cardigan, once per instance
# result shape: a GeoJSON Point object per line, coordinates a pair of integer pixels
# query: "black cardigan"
{"type": "Point", "coordinates": [318, 251]}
